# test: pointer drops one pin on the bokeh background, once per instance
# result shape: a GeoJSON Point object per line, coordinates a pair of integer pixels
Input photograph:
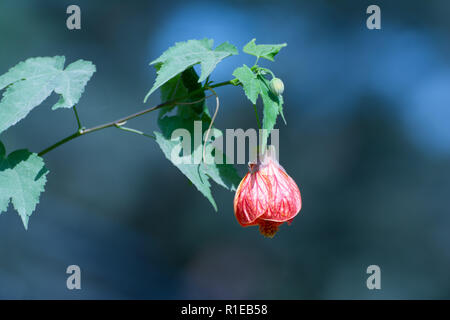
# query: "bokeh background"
{"type": "Point", "coordinates": [368, 142]}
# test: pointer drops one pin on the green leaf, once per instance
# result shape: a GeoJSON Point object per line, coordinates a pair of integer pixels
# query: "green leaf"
{"type": "Point", "coordinates": [71, 83]}
{"type": "Point", "coordinates": [267, 51]}
{"type": "Point", "coordinates": [255, 85]}
{"type": "Point", "coordinates": [198, 178]}
{"type": "Point", "coordinates": [30, 82]}
{"type": "Point", "coordinates": [190, 82]}
{"type": "Point", "coordinates": [179, 88]}
{"type": "Point", "coordinates": [183, 55]}
{"type": "Point", "coordinates": [223, 174]}
{"type": "Point", "coordinates": [198, 173]}
{"type": "Point", "coordinates": [195, 170]}
{"type": "Point", "coordinates": [272, 106]}
{"type": "Point", "coordinates": [22, 180]}
{"type": "Point", "coordinates": [249, 82]}
{"type": "Point", "coordinates": [172, 90]}
{"type": "Point", "coordinates": [227, 47]}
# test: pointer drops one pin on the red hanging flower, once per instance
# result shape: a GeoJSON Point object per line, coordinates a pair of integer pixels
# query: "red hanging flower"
{"type": "Point", "coordinates": [267, 196]}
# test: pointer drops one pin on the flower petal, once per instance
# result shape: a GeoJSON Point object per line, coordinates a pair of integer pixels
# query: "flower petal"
{"type": "Point", "coordinates": [285, 201]}
{"type": "Point", "coordinates": [251, 199]}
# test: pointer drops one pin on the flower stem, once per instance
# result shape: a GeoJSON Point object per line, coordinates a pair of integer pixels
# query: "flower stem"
{"type": "Point", "coordinates": [117, 123]}
{"type": "Point", "coordinates": [269, 71]}
{"type": "Point", "coordinates": [257, 116]}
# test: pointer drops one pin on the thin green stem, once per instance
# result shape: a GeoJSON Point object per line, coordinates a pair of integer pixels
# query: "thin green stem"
{"type": "Point", "coordinates": [220, 84]}
{"type": "Point", "coordinates": [211, 123]}
{"type": "Point", "coordinates": [59, 143]}
{"type": "Point", "coordinates": [257, 116]}
{"type": "Point", "coordinates": [135, 131]}
{"type": "Point", "coordinates": [82, 132]}
{"type": "Point", "coordinates": [269, 71]}
{"type": "Point", "coordinates": [206, 81]}
{"type": "Point", "coordinates": [78, 118]}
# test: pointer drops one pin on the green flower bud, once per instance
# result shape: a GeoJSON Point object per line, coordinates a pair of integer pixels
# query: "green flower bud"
{"type": "Point", "coordinates": [276, 86]}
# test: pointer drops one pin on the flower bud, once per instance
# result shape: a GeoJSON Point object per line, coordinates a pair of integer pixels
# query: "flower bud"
{"type": "Point", "coordinates": [267, 196]}
{"type": "Point", "coordinates": [276, 86]}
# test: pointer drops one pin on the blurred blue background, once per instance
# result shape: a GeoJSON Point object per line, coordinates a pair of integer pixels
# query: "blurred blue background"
{"type": "Point", "coordinates": [368, 142]}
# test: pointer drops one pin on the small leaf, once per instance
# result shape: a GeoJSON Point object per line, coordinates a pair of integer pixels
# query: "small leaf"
{"type": "Point", "coordinates": [183, 55]}
{"type": "Point", "coordinates": [249, 82]}
{"type": "Point", "coordinates": [29, 83]}
{"type": "Point", "coordinates": [267, 51]}
{"type": "Point", "coordinates": [22, 180]}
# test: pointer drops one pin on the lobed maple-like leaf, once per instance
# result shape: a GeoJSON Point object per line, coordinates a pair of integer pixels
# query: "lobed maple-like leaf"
{"type": "Point", "coordinates": [266, 51]}
{"type": "Point", "coordinates": [250, 82]}
{"type": "Point", "coordinates": [22, 180]}
{"type": "Point", "coordinates": [186, 54]}
{"type": "Point", "coordinates": [30, 82]}
{"type": "Point", "coordinates": [185, 116]}
{"type": "Point", "coordinates": [198, 173]}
